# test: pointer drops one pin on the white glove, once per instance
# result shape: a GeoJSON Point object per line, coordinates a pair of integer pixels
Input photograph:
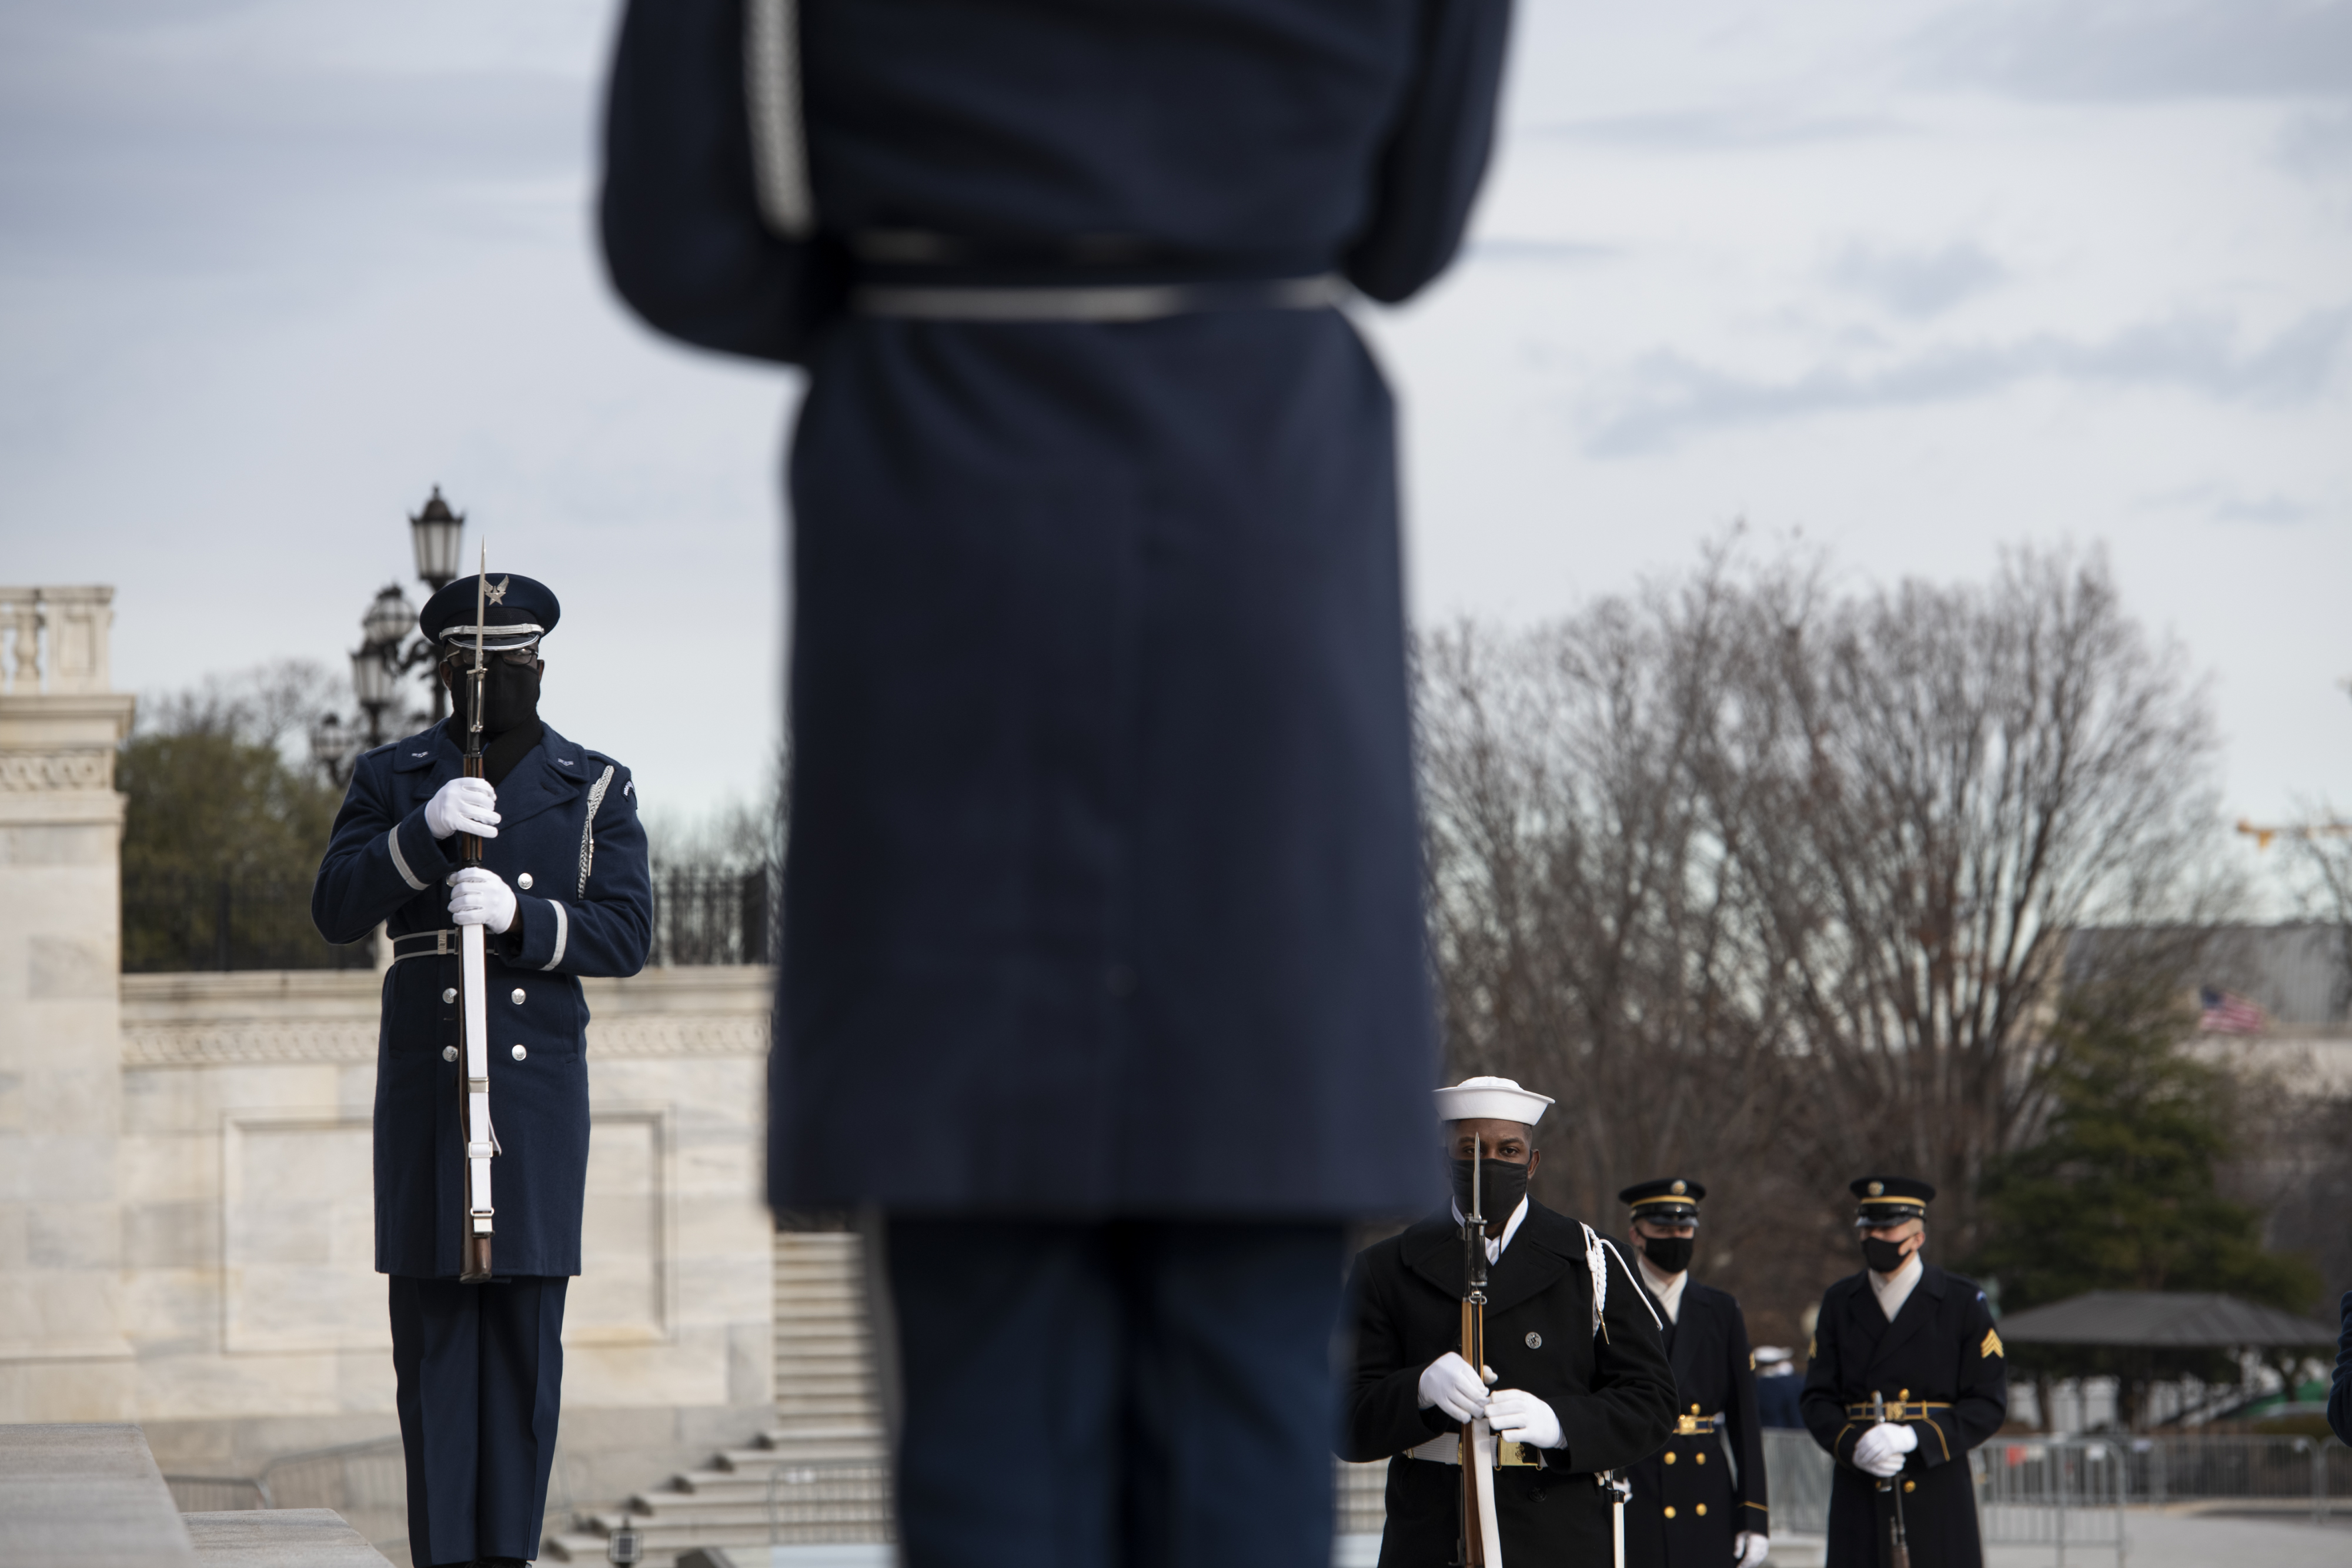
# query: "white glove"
{"type": "Point", "coordinates": [1880, 1451]}
{"type": "Point", "coordinates": [464, 806]}
{"type": "Point", "coordinates": [1520, 1416]}
{"type": "Point", "coordinates": [1449, 1384]}
{"type": "Point", "coordinates": [479, 897]}
{"type": "Point", "coordinates": [1748, 1549]}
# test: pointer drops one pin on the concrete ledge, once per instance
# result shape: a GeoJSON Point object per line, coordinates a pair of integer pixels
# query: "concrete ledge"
{"type": "Point", "coordinates": [86, 1496]}
{"type": "Point", "coordinates": [280, 1537]}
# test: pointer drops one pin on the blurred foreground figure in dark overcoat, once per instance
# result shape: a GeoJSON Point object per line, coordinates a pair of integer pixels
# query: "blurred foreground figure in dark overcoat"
{"type": "Point", "coordinates": [1102, 980]}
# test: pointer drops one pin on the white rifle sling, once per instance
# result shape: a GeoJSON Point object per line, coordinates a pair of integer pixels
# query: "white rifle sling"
{"type": "Point", "coordinates": [1482, 1475]}
{"type": "Point", "coordinates": [480, 1144]}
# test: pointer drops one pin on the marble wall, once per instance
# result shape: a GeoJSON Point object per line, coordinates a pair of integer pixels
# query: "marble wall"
{"type": "Point", "coordinates": [246, 1229]}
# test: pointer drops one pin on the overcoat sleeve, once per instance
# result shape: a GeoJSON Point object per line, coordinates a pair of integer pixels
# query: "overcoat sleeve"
{"type": "Point", "coordinates": [2339, 1396]}
{"type": "Point", "coordinates": [375, 861]}
{"type": "Point", "coordinates": [1630, 1410]}
{"type": "Point", "coordinates": [1821, 1404]}
{"type": "Point", "coordinates": [1437, 155]}
{"type": "Point", "coordinates": [1747, 1430]}
{"type": "Point", "coordinates": [605, 925]}
{"type": "Point", "coordinates": [1384, 1415]}
{"type": "Point", "coordinates": [1980, 1396]}
{"type": "Point", "coordinates": [684, 239]}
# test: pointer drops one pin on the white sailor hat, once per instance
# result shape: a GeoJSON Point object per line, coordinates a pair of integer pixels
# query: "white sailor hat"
{"type": "Point", "coordinates": [1497, 1098]}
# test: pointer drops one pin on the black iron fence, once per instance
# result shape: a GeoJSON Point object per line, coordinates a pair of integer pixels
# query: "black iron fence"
{"type": "Point", "coordinates": [179, 921]}
{"type": "Point", "coordinates": [176, 922]}
{"type": "Point", "coordinates": [704, 916]}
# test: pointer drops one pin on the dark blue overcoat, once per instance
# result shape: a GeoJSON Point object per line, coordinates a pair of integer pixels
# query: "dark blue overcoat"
{"type": "Point", "coordinates": [1103, 886]}
{"type": "Point", "coordinates": [583, 906]}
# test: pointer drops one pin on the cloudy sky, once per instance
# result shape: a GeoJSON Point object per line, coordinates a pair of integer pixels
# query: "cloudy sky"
{"type": "Point", "coordinates": [1913, 281]}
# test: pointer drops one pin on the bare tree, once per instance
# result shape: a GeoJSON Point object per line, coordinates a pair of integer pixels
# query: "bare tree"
{"type": "Point", "coordinates": [1774, 884]}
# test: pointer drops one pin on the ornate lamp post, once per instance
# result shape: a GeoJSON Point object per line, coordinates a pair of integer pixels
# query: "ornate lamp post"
{"type": "Point", "coordinates": [436, 535]}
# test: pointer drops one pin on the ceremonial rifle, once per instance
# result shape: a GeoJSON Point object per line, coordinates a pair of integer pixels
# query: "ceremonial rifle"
{"type": "Point", "coordinates": [474, 1084]}
{"type": "Point", "coordinates": [1897, 1543]}
{"type": "Point", "coordinates": [1482, 1538]}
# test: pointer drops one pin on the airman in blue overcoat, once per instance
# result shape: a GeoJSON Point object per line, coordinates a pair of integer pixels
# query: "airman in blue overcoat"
{"type": "Point", "coordinates": [563, 890]}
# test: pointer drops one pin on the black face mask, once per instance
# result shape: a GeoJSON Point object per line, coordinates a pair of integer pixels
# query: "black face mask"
{"type": "Point", "coordinates": [1501, 1185]}
{"type": "Point", "coordinates": [1883, 1257]}
{"type": "Point", "coordinates": [1669, 1254]}
{"type": "Point", "coordinates": [510, 697]}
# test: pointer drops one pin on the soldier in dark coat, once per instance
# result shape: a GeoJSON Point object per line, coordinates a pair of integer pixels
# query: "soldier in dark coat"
{"type": "Point", "coordinates": [1574, 1392]}
{"type": "Point", "coordinates": [563, 891]}
{"type": "Point", "coordinates": [1104, 869]}
{"type": "Point", "coordinates": [1905, 1332]}
{"type": "Point", "coordinates": [1700, 1502]}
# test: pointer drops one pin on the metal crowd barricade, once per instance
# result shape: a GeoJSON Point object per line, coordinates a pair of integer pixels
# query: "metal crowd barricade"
{"type": "Point", "coordinates": [2066, 1493]}
{"type": "Point", "coordinates": [1796, 1475]}
{"type": "Point", "coordinates": [836, 1501]}
{"type": "Point", "coordinates": [1360, 1498]}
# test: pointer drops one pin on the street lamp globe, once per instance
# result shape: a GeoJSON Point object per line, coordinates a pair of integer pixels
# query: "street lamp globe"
{"type": "Point", "coordinates": [437, 532]}
{"type": "Point", "coordinates": [389, 619]}
{"type": "Point", "coordinates": [374, 681]}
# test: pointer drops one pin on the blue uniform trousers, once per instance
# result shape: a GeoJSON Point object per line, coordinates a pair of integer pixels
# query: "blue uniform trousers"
{"type": "Point", "coordinates": [480, 1371]}
{"type": "Point", "coordinates": [1131, 1392]}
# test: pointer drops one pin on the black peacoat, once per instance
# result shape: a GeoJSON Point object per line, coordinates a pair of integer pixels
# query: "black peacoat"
{"type": "Point", "coordinates": [583, 905]}
{"type": "Point", "coordinates": [1941, 1359]}
{"type": "Point", "coordinates": [1612, 1392]}
{"type": "Point", "coordinates": [1714, 1480]}
{"type": "Point", "coordinates": [1105, 868]}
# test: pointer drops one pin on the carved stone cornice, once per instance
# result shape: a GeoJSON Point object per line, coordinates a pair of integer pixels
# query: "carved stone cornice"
{"type": "Point", "coordinates": [24, 771]}
{"type": "Point", "coordinates": [250, 1042]}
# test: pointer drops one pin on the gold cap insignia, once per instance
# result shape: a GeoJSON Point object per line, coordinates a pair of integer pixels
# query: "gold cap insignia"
{"type": "Point", "coordinates": [1679, 1188]}
{"type": "Point", "coordinates": [1876, 1188]}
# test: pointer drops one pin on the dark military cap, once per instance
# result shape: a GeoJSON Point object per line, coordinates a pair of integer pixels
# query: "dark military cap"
{"type": "Point", "coordinates": [1669, 1200]}
{"type": "Point", "coordinates": [1890, 1201]}
{"type": "Point", "coordinates": [518, 611]}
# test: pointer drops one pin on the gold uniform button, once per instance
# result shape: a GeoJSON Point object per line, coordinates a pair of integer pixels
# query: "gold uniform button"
{"type": "Point", "coordinates": [519, 1053]}
{"type": "Point", "coordinates": [1702, 1509]}
{"type": "Point", "coordinates": [524, 882]}
{"type": "Point", "coordinates": [1670, 1455]}
{"type": "Point", "coordinates": [1693, 1410]}
{"type": "Point", "coordinates": [517, 996]}
{"type": "Point", "coordinates": [1902, 1393]}
{"type": "Point", "coordinates": [1670, 1510]}
{"type": "Point", "coordinates": [1699, 1458]}
{"type": "Point", "coordinates": [1910, 1486]}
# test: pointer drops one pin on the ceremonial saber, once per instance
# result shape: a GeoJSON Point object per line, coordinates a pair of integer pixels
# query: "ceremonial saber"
{"type": "Point", "coordinates": [474, 1090]}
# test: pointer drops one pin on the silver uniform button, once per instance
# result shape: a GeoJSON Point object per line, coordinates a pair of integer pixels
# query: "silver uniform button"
{"type": "Point", "coordinates": [517, 996]}
{"type": "Point", "coordinates": [519, 1053]}
{"type": "Point", "coordinates": [1535, 1341]}
{"type": "Point", "coordinates": [450, 995]}
{"type": "Point", "coordinates": [449, 1053]}
{"type": "Point", "coordinates": [524, 882]}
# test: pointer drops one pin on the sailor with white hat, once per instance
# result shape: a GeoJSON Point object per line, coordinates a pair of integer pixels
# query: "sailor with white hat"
{"type": "Point", "coordinates": [1575, 1382]}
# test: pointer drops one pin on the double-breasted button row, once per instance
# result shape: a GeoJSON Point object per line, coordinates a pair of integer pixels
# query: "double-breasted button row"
{"type": "Point", "coordinates": [449, 1052]}
{"type": "Point", "coordinates": [1701, 1509]}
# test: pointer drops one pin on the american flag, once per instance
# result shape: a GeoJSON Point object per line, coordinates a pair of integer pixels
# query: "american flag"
{"type": "Point", "coordinates": [2226, 1012]}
